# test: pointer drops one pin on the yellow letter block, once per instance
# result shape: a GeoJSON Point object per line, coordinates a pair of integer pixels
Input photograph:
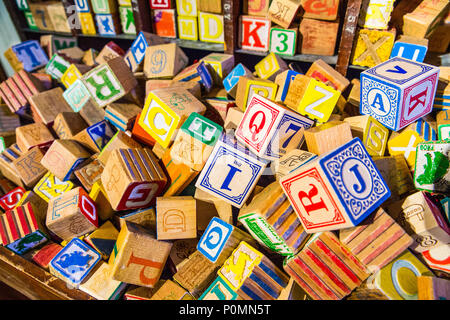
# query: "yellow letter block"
{"type": "Point", "coordinates": [87, 23]}
{"type": "Point", "coordinates": [375, 14]}
{"type": "Point", "coordinates": [211, 27]}
{"type": "Point", "coordinates": [373, 47]}
{"type": "Point", "coordinates": [187, 8]}
{"type": "Point", "coordinates": [187, 28]}
{"type": "Point", "coordinates": [372, 133]}
{"type": "Point", "coordinates": [405, 144]}
{"type": "Point", "coordinates": [72, 73]}
{"type": "Point", "coordinates": [269, 67]}
{"type": "Point", "coordinates": [248, 86]}
{"type": "Point", "coordinates": [50, 187]}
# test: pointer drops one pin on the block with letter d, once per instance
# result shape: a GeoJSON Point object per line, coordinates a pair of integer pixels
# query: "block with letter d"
{"type": "Point", "coordinates": [211, 27]}
{"type": "Point", "coordinates": [339, 190]}
{"type": "Point", "coordinates": [270, 130]}
{"type": "Point", "coordinates": [398, 92]}
{"type": "Point", "coordinates": [231, 171]}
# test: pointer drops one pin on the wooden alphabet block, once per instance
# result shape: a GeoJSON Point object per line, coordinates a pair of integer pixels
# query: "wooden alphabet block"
{"type": "Point", "coordinates": [10, 199]}
{"type": "Point", "coordinates": [110, 81]}
{"type": "Point", "coordinates": [283, 41]}
{"type": "Point", "coordinates": [254, 33]}
{"type": "Point", "coordinates": [127, 20]}
{"type": "Point", "coordinates": [273, 222]}
{"type": "Point", "coordinates": [98, 194]}
{"type": "Point", "coordinates": [406, 94]}
{"type": "Point", "coordinates": [101, 285]}
{"type": "Point", "coordinates": [270, 130]}
{"type": "Point", "coordinates": [91, 113]}
{"type": "Point", "coordinates": [104, 6]}
{"type": "Point", "coordinates": [327, 137]}
{"type": "Point", "coordinates": [176, 218]}
{"type": "Point", "coordinates": [230, 82]}
{"type": "Point", "coordinates": [395, 282]}
{"type": "Point", "coordinates": [164, 23]}
{"type": "Point", "coordinates": [291, 161]}
{"type": "Point", "coordinates": [318, 37]}
{"type": "Point", "coordinates": [28, 166]}
{"type": "Point", "coordinates": [432, 167]}
{"type": "Point", "coordinates": [7, 168]}
{"type": "Point", "coordinates": [110, 51]}
{"type": "Point", "coordinates": [211, 27]}
{"type": "Point", "coordinates": [27, 55]}
{"type": "Point", "coordinates": [214, 6]}
{"type": "Point", "coordinates": [165, 111]}
{"type": "Point", "coordinates": [74, 262]}
{"type": "Point", "coordinates": [77, 96]}
{"type": "Point", "coordinates": [325, 269]}
{"type": "Point", "coordinates": [108, 24]}
{"type": "Point", "coordinates": [410, 48]}
{"type": "Point", "coordinates": [140, 135]}
{"type": "Point", "coordinates": [373, 134]}
{"type": "Point", "coordinates": [164, 60]}
{"type": "Point", "coordinates": [246, 87]}
{"type": "Point", "coordinates": [30, 20]}
{"type": "Point", "coordinates": [200, 73]}
{"type": "Point", "coordinates": [320, 9]}
{"type": "Point", "coordinates": [135, 55]}
{"type": "Point", "coordinates": [404, 144]}
{"type": "Point", "coordinates": [132, 178]}
{"type": "Point", "coordinates": [373, 47]}
{"type": "Point", "coordinates": [443, 124]}
{"type": "Point", "coordinates": [132, 262]}
{"type": "Point", "coordinates": [252, 275]}
{"type": "Point", "coordinates": [283, 80]}
{"type": "Point", "coordinates": [283, 13]}
{"type": "Point", "coordinates": [48, 104]}
{"type": "Point", "coordinates": [375, 14]}
{"type": "Point", "coordinates": [33, 135]}
{"type": "Point", "coordinates": [323, 72]}
{"type": "Point", "coordinates": [219, 290]}
{"type": "Point", "coordinates": [432, 288]}
{"type": "Point", "coordinates": [41, 16]}
{"type": "Point", "coordinates": [187, 27]}
{"type": "Point", "coordinates": [72, 214]}
{"type": "Point", "coordinates": [103, 239]}
{"type": "Point", "coordinates": [311, 98]}
{"type": "Point", "coordinates": [68, 124]}
{"type": "Point", "coordinates": [187, 8]}
{"type": "Point", "coordinates": [171, 291]}
{"type": "Point", "coordinates": [438, 258]}
{"type": "Point", "coordinates": [143, 217]}
{"type": "Point", "coordinates": [44, 255]}
{"type": "Point", "coordinates": [58, 17]}
{"type": "Point", "coordinates": [70, 75]}
{"type": "Point", "coordinates": [94, 138]}
{"type": "Point", "coordinates": [57, 66]}
{"type": "Point", "coordinates": [269, 67]}
{"type": "Point", "coordinates": [335, 194]}
{"type": "Point", "coordinates": [423, 19]}
{"type": "Point", "coordinates": [122, 115]}
{"type": "Point", "coordinates": [50, 186]}
{"type": "Point", "coordinates": [87, 23]}
{"type": "Point", "coordinates": [256, 7]}
{"type": "Point", "coordinates": [119, 141]}
{"type": "Point", "coordinates": [161, 4]}
{"type": "Point", "coordinates": [222, 63]}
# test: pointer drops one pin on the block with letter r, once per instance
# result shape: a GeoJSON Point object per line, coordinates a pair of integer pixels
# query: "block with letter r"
{"type": "Point", "coordinates": [398, 92]}
{"type": "Point", "coordinates": [338, 190]}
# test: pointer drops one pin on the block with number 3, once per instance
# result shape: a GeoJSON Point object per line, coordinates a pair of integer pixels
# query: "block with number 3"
{"type": "Point", "coordinates": [283, 41]}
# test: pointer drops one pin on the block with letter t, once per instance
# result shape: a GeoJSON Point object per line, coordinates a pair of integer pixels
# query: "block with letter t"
{"type": "Point", "coordinates": [339, 190]}
{"type": "Point", "coordinates": [398, 91]}
{"type": "Point", "coordinates": [27, 55]}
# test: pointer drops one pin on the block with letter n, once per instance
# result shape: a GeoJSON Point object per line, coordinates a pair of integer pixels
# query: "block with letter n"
{"type": "Point", "coordinates": [338, 190]}
{"type": "Point", "coordinates": [254, 33]}
{"type": "Point", "coordinates": [231, 171]}
{"type": "Point", "coordinates": [398, 92]}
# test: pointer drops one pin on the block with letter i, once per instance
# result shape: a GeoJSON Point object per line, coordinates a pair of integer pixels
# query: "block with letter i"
{"type": "Point", "coordinates": [254, 33]}
{"type": "Point", "coordinates": [187, 28]}
{"type": "Point", "coordinates": [372, 47]}
{"type": "Point", "coordinates": [132, 178]}
{"type": "Point", "coordinates": [132, 262]}
{"type": "Point", "coordinates": [432, 169]}
{"type": "Point", "coordinates": [22, 229]}
{"type": "Point", "coordinates": [127, 20]}
{"type": "Point", "coordinates": [270, 130]}
{"type": "Point", "coordinates": [338, 190]}
{"type": "Point", "coordinates": [211, 27]}
{"type": "Point", "coordinates": [325, 269]}
{"type": "Point", "coordinates": [283, 13]}
{"type": "Point", "coordinates": [176, 218]}
{"type": "Point", "coordinates": [109, 81]}
{"type": "Point", "coordinates": [50, 187]}
{"type": "Point", "coordinates": [74, 262]}
{"type": "Point", "coordinates": [283, 41]}
{"type": "Point", "coordinates": [108, 24]}
{"type": "Point", "coordinates": [230, 82]}
{"type": "Point", "coordinates": [252, 275]}
{"type": "Point", "coordinates": [398, 92]}
{"type": "Point", "coordinates": [72, 214]}
{"type": "Point", "coordinates": [164, 24]}
{"type": "Point", "coordinates": [269, 67]}
{"type": "Point", "coordinates": [27, 55]}
{"type": "Point", "coordinates": [247, 86]}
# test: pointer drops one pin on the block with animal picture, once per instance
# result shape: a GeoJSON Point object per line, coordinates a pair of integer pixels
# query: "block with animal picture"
{"type": "Point", "coordinates": [187, 27]}
{"type": "Point", "coordinates": [164, 60]}
{"type": "Point", "coordinates": [375, 14]}
{"type": "Point", "coordinates": [127, 20]}
{"type": "Point", "coordinates": [29, 168]}
{"type": "Point", "coordinates": [432, 168]}
{"type": "Point", "coordinates": [27, 55]}
{"type": "Point", "coordinates": [195, 141]}
{"type": "Point", "coordinates": [311, 98]}
{"type": "Point", "coordinates": [108, 24]}
{"type": "Point", "coordinates": [269, 67]}
{"type": "Point", "coordinates": [338, 190]}
{"type": "Point", "coordinates": [270, 130]}
{"type": "Point", "coordinates": [252, 275]}
{"type": "Point", "coordinates": [95, 137]}
{"type": "Point", "coordinates": [231, 81]}
{"type": "Point", "coordinates": [322, 71]}
{"type": "Point", "coordinates": [134, 57]}
{"type": "Point", "coordinates": [122, 115]}
{"type": "Point", "coordinates": [319, 9]}
{"type": "Point", "coordinates": [132, 263]}
{"type": "Point", "coordinates": [211, 27]}
{"type": "Point", "coordinates": [242, 171]}
{"type": "Point", "coordinates": [291, 161]}
{"type": "Point", "coordinates": [372, 47]}
{"type": "Point", "coordinates": [318, 37]}
{"type": "Point", "coordinates": [164, 23]}
{"type": "Point", "coordinates": [422, 219]}
{"type": "Point", "coordinates": [72, 214]}
{"type": "Point", "coordinates": [165, 110]}
{"type": "Point", "coordinates": [283, 13]}
{"type": "Point", "coordinates": [254, 33]}
{"type": "Point", "coordinates": [283, 41]}
{"type": "Point", "coordinates": [247, 86]}
{"type": "Point", "coordinates": [273, 222]}
{"type": "Point", "coordinates": [33, 135]}
{"type": "Point", "coordinates": [325, 269]}
{"type": "Point", "coordinates": [176, 218]}
{"type": "Point", "coordinates": [421, 21]}
{"type": "Point", "coordinates": [132, 178]}
{"type": "Point", "coordinates": [432, 288]}
{"type": "Point", "coordinates": [50, 187]}
{"type": "Point", "coordinates": [10, 200]}
{"type": "Point", "coordinates": [119, 141]}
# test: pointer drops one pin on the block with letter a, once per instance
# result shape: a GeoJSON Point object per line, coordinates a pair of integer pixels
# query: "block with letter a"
{"type": "Point", "coordinates": [231, 172]}
{"type": "Point", "coordinates": [398, 92]}
{"type": "Point", "coordinates": [254, 33]}
{"type": "Point", "coordinates": [339, 190]}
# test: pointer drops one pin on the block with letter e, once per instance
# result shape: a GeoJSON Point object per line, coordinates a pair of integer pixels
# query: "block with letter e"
{"type": "Point", "coordinates": [338, 190]}
{"type": "Point", "coordinates": [398, 92]}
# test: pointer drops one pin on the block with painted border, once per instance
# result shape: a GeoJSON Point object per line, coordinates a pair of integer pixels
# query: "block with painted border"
{"type": "Point", "coordinates": [9, 200]}
{"type": "Point", "coordinates": [254, 33]}
{"type": "Point", "coordinates": [28, 166]}
{"type": "Point", "coordinates": [50, 187]}
{"type": "Point", "coordinates": [94, 138]}
{"type": "Point", "coordinates": [375, 14]}
{"type": "Point", "coordinates": [269, 67]}
{"type": "Point", "coordinates": [291, 161]}
{"type": "Point", "coordinates": [122, 115]}
{"type": "Point", "coordinates": [342, 188]}
{"type": "Point", "coordinates": [256, 7]}
{"type": "Point", "coordinates": [219, 290]}
{"type": "Point", "coordinates": [72, 73]}
{"type": "Point", "coordinates": [58, 17]}
{"type": "Point", "coordinates": [247, 86]}
{"type": "Point", "coordinates": [43, 256]}
{"type": "Point", "coordinates": [283, 41]}
{"type": "Point", "coordinates": [164, 60]}
{"type": "Point", "coordinates": [425, 127]}
{"type": "Point", "coordinates": [108, 24]}
{"type": "Point", "coordinates": [164, 23]}
{"type": "Point", "coordinates": [187, 8]}
{"type": "Point", "coordinates": [283, 81]}
{"type": "Point", "coordinates": [103, 6]}
{"type": "Point", "coordinates": [410, 48]}
{"type": "Point", "coordinates": [127, 20]}
{"type": "Point", "coordinates": [222, 63]}
{"type": "Point", "coordinates": [57, 66]}
{"type": "Point", "coordinates": [30, 20]}
{"type": "Point", "coordinates": [27, 55]}
{"type": "Point", "coordinates": [230, 82]}
{"type": "Point", "coordinates": [322, 10]}
{"type": "Point", "coordinates": [443, 124]}
{"type": "Point", "coordinates": [398, 92]}
{"type": "Point", "coordinates": [77, 96]}
{"type": "Point", "coordinates": [438, 258]}
{"type": "Point", "coordinates": [211, 27]}
{"type": "Point", "coordinates": [176, 218]}
{"type": "Point", "coordinates": [74, 262]}
{"type": "Point", "coordinates": [373, 134]}
{"type": "Point", "coordinates": [161, 4]}
{"type": "Point", "coordinates": [187, 27]}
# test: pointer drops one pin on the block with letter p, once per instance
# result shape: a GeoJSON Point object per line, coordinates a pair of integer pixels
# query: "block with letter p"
{"type": "Point", "coordinates": [270, 130]}
{"type": "Point", "coordinates": [339, 190]}
{"type": "Point", "coordinates": [398, 92]}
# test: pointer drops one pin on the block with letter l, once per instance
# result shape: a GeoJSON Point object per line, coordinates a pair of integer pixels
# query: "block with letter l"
{"type": "Point", "coordinates": [398, 92]}
{"type": "Point", "coordinates": [339, 190]}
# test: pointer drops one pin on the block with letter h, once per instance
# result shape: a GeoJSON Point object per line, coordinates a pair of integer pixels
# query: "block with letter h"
{"type": "Point", "coordinates": [269, 130]}
{"type": "Point", "coordinates": [398, 92]}
{"type": "Point", "coordinates": [339, 190]}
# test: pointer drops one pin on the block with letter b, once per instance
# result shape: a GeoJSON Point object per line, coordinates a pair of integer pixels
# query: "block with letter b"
{"type": "Point", "coordinates": [398, 92]}
{"type": "Point", "coordinates": [270, 130]}
{"type": "Point", "coordinates": [338, 190]}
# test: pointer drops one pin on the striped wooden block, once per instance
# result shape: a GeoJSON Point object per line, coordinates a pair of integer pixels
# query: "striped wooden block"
{"type": "Point", "coordinates": [122, 115]}
{"type": "Point", "coordinates": [6, 164]}
{"type": "Point", "coordinates": [252, 275]}
{"type": "Point", "coordinates": [273, 222]}
{"type": "Point", "coordinates": [325, 269]}
{"type": "Point", "coordinates": [44, 255]}
{"type": "Point", "coordinates": [376, 243]}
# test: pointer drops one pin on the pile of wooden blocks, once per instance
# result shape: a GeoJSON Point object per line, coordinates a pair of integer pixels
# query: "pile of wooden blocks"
{"type": "Point", "coordinates": [132, 174]}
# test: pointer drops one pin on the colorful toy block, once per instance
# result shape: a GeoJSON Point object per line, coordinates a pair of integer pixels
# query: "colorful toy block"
{"type": "Point", "coordinates": [372, 47]}
{"type": "Point", "coordinates": [254, 33]}
{"type": "Point", "coordinates": [127, 20]}
{"type": "Point", "coordinates": [164, 23]}
{"type": "Point", "coordinates": [269, 67]}
{"type": "Point", "coordinates": [165, 60]}
{"type": "Point", "coordinates": [283, 41]}
{"type": "Point", "coordinates": [375, 14]}
{"type": "Point", "coordinates": [187, 27]}
{"type": "Point", "coordinates": [108, 24]}
{"type": "Point", "coordinates": [50, 187]}
{"type": "Point", "coordinates": [432, 167]}
{"type": "Point", "coordinates": [104, 6]}
{"type": "Point", "coordinates": [438, 258]}
{"type": "Point", "coordinates": [291, 161]}
{"type": "Point", "coordinates": [318, 37]}
{"type": "Point", "coordinates": [410, 48]}
{"type": "Point", "coordinates": [187, 8]}
{"type": "Point", "coordinates": [161, 4]}
{"type": "Point", "coordinates": [230, 82]}
{"type": "Point", "coordinates": [211, 27]}
{"type": "Point", "coordinates": [87, 23]}
{"type": "Point", "coordinates": [322, 10]}
{"type": "Point", "coordinates": [10, 199]}
{"type": "Point", "coordinates": [219, 290]}
{"type": "Point", "coordinates": [372, 133]}
{"type": "Point", "coordinates": [27, 55]}
{"type": "Point", "coordinates": [246, 87]}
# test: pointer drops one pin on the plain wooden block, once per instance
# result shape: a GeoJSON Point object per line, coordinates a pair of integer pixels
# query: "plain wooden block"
{"type": "Point", "coordinates": [405, 182]}
{"type": "Point", "coordinates": [323, 10]}
{"type": "Point", "coordinates": [246, 87]}
{"type": "Point", "coordinates": [372, 47]}
{"type": "Point", "coordinates": [326, 269]}
{"type": "Point", "coordinates": [9, 200]}
{"type": "Point", "coordinates": [144, 217]}
{"type": "Point", "coordinates": [171, 291]}
{"type": "Point", "coordinates": [375, 14]}
{"type": "Point", "coordinates": [283, 13]}
{"type": "Point", "coordinates": [256, 7]}
{"type": "Point", "coordinates": [110, 51]}
{"type": "Point", "coordinates": [439, 39]}
{"type": "Point", "coordinates": [211, 27]}
{"type": "Point", "coordinates": [322, 71]}
{"type": "Point", "coordinates": [72, 214]}
{"type": "Point", "coordinates": [91, 113]}
{"type": "Point", "coordinates": [119, 141]}
{"type": "Point", "coordinates": [164, 60]}
{"type": "Point", "coordinates": [28, 166]}
{"type": "Point", "coordinates": [254, 33]}
{"type": "Point", "coordinates": [48, 104]}
{"type": "Point", "coordinates": [433, 288]}
{"type": "Point", "coordinates": [95, 137]}
{"type": "Point", "coordinates": [132, 178]}
{"type": "Point", "coordinates": [214, 6]}
{"type": "Point", "coordinates": [291, 161]}
{"type": "Point", "coordinates": [164, 23]}
{"type": "Point", "coordinates": [89, 57]}
{"type": "Point", "coordinates": [318, 37]}
{"type": "Point", "coordinates": [387, 166]}
{"type": "Point", "coordinates": [421, 21]}
{"type": "Point", "coordinates": [327, 137]}
{"type": "Point", "coordinates": [89, 174]}
{"type": "Point", "coordinates": [33, 135]}
{"type": "Point", "coordinates": [176, 218]}
{"type": "Point", "coordinates": [122, 115]}
{"type": "Point", "coordinates": [67, 124]}
{"type": "Point", "coordinates": [43, 256]}
{"type": "Point", "coordinates": [101, 285]}
{"type": "Point", "coordinates": [171, 106]}
{"type": "Point", "coordinates": [133, 262]}
{"type": "Point", "coordinates": [38, 204]}
{"type": "Point", "coordinates": [354, 94]}
{"type": "Point", "coordinates": [100, 197]}
{"type": "Point", "coordinates": [50, 187]}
